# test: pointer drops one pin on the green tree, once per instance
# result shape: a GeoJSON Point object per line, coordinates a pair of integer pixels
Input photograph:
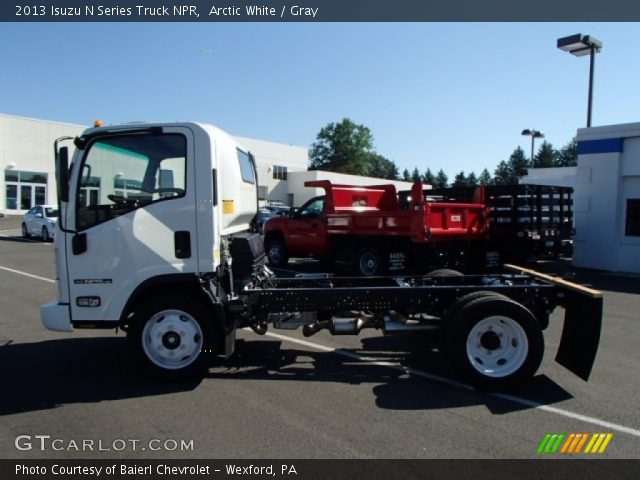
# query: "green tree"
{"type": "Point", "coordinates": [441, 180]}
{"type": "Point", "coordinates": [381, 167]}
{"type": "Point", "coordinates": [502, 174]}
{"type": "Point", "coordinates": [485, 178]}
{"type": "Point", "coordinates": [568, 155]}
{"type": "Point", "coordinates": [460, 180]}
{"type": "Point", "coordinates": [546, 156]}
{"type": "Point", "coordinates": [415, 175]}
{"type": "Point", "coordinates": [405, 175]}
{"type": "Point", "coordinates": [342, 147]}
{"type": "Point", "coordinates": [518, 165]}
{"type": "Point", "coordinates": [429, 178]}
{"type": "Point", "coordinates": [472, 180]}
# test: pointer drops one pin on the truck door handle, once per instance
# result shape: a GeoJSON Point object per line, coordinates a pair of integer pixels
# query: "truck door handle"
{"type": "Point", "coordinates": [182, 244]}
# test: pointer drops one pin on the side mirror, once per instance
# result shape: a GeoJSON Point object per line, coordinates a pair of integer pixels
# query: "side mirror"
{"type": "Point", "coordinates": [62, 174]}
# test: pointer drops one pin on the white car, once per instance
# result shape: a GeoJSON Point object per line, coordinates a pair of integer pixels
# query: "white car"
{"type": "Point", "coordinates": [41, 221]}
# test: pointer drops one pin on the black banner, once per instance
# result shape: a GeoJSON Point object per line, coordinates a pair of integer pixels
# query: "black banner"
{"type": "Point", "coordinates": [318, 469]}
{"type": "Point", "coordinates": [318, 11]}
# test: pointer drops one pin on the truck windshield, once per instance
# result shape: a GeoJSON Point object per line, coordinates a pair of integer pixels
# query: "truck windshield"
{"type": "Point", "coordinates": [125, 172]}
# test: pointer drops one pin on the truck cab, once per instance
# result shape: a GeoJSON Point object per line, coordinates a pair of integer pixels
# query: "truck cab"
{"type": "Point", "coordinates": [157, 218]}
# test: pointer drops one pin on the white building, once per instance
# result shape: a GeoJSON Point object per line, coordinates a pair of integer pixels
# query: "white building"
{"type": "Point", "coordinates": [554, 177]}
{"type": "Point", "coordinates": [300, 194]}
{"type": "Point", "coordinates": [28, 173]}
{"type": "Point", "coordinates": [607, 198]}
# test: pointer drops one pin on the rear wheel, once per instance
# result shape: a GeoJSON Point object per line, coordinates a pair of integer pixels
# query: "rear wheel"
{"type": "Point", "coordinates": [494, 342]}
{"type": "Point", "coordinates": [171, 337]}
{"type": "Point", "coordinates": [277, 252]}
{"type": "Point", "coordinates": [25, 232]}
{"type": "Point", "coordinates": [370, 262]}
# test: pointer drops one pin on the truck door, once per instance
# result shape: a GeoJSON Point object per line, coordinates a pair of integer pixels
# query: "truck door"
{"type": "Point", "coordinates": [306, 229]}
{"type": "Point", "coordinates": [140, 223]}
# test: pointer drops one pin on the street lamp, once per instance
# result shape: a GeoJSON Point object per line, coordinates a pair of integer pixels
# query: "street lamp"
{"type": "Point", "coordinates": [530, 132]}
{"type": "Point", "coordinates": [581, 45]}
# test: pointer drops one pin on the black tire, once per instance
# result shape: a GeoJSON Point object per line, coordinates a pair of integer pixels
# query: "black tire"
{"type": "Point", "coordinates": [174, 309]}
{"type": "Point", "coordinates": [45, 235]}
{"type": "Point", "coordinates": [487, 320]}
{"type": "Point", "coordinates": [444, 272]}
{"type": "Point", "coordinates": [25, 232]}
{"type": "Point", "coordinates": [277, 253]}
{"type": "Point", "coordinates": [370, 262]}
{"type": "Point", "coordinates": [453, 310]}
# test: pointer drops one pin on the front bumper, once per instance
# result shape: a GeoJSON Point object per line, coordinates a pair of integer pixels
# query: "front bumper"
{"type": "Point", "coordinates": [56, 316]}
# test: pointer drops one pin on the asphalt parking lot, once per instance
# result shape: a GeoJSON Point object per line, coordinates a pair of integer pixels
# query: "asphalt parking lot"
{"type": "Point", "coordinates": [285, 396]}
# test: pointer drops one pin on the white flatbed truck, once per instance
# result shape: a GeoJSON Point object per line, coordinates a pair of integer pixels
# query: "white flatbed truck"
{"type": "Point", "coordinates": [155, 238]}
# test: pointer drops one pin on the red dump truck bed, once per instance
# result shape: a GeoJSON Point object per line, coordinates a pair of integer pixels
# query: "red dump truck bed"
{"type": "Point", "coordinates": [374, 210]}
{"type": "Point", "coordinates": [367, 225]}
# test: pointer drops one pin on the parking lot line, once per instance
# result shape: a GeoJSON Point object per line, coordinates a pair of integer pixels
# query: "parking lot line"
{"type": "Point", "coordinates": [456, 383]}
{"type": "Point", "coordinates": [420, 373]}
{"type": "Point", "coordinates": [19, 272]}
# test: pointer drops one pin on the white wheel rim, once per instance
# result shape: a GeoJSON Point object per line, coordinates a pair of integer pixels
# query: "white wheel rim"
{"type": "Point", "coordinates": [497, 346]}
{"type": "Point", "coordinates": [172, 339]}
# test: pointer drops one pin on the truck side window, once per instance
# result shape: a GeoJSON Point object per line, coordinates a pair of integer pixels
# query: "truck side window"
{"type": "Point", "coordinates": [127, 172]}
{"type": "Point", "coordinates": [313, 209]}
{"type": "Point", "coordinates": [246, 169]}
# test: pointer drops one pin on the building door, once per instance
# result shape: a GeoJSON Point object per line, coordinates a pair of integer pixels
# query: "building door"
{"type": "Point", "coordinates": [26, 197]}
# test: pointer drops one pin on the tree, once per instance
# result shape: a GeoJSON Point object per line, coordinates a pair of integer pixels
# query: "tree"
{"type": "Point", "coordinates": [502, 174]}
{"type": "Point", "coordinates": [546, 156]}
{"type": "Point", "coordinates": [568, 155]}
{"type": "Point", "coordinates": [428, 177]}
{"type": "Point", "coordinates": [342, 147]}
{"type": "Point", "coordinates": [485, 178]}
{"type": "Point", "coordinates": [472, 180]}
{"type": "Point", "coordinates": [441, 180]}
{"type": "Point", "coordinates": [381, 167]}
{"type": "Point", "coordinates": [415, 175]}
{"type": "Point", "coordinates": [518, 165]}
{"type": "Point", "coordinates": [460, 180]}
{"type": "Point", "coordinates": [405, 175]}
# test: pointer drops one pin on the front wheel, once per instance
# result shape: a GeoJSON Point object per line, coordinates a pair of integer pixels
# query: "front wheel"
{"type": "Point", "coordinates": [494, 342]}
{"type": "Point", "coordinates": [171, 337]}
{"type": "Point", "coordinates": [45, 235]}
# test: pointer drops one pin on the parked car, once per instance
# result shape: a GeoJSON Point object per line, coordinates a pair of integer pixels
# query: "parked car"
{"type": "Point", "coordinates": [41, 221]}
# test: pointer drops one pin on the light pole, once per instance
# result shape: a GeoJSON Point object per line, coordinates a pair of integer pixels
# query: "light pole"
{"type": "Point", "coordinates": [581, 45]}
{"type": "Point", "coordinates": [530, 132]}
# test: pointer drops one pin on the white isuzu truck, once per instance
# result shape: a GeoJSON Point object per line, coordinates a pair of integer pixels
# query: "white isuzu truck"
{"type": "Point", "coordinates": [155, 237]}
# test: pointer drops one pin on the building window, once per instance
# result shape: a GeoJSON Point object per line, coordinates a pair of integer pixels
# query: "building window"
{"type": "Point", "coordinates": [23, 190]}
{"type": "Point", "coordinates": [632, 228]}
{"type": "Point", "coordinates": [262, 192]}
{"type": "Point", "coordinates": [279, 172]}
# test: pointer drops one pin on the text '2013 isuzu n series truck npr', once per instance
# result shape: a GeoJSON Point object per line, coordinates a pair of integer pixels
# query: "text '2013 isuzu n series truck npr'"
{"type": "Point", "coordinates": [155, 238]}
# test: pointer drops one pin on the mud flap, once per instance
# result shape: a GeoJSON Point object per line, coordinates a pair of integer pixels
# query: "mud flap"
{"type": "Point", "coordinates": [581, 332]}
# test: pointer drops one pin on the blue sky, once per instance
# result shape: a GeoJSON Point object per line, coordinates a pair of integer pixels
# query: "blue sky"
{"type": "Point", "coordinates": [439, 95]}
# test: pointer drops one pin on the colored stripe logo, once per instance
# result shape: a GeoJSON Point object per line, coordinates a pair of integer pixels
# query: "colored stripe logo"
{"type": "Point", "coordinates": [574, 443]}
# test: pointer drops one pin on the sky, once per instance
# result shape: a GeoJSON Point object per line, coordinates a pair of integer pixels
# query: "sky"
{"type": "Point", "coordinates": [440, 95]}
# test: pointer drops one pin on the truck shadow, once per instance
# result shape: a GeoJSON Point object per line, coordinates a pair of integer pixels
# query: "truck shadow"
{"type": "Point", "coordinates": [45, 375]}
{"type": "Point", "coordinates": [394, 389]}
{"type": "Point", "coordinates": [48, 374]}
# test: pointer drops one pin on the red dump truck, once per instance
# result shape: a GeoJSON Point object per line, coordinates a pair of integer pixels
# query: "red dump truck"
{"type": "Point", "coordinates": [368, 226]}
